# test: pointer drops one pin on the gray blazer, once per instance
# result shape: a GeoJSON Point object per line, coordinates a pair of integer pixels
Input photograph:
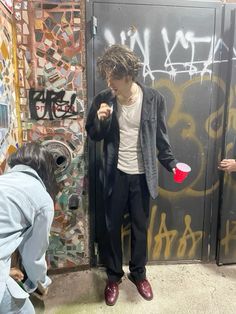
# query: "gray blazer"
{"type": "Point", "coordinates": [153, 137]}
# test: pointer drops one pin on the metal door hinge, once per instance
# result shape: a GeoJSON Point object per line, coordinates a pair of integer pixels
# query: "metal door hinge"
{"type": "Point", "coordinates": [94, 25]}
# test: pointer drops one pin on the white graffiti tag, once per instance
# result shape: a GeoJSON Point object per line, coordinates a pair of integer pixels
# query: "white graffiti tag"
{"type": "Point", "coordinates": [187, 41]}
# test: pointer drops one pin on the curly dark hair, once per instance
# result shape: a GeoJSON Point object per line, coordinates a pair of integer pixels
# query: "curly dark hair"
{"type": "Point", "coordinates": [37, 157]}
{"type": "Point", "coordinates": [118, 61]}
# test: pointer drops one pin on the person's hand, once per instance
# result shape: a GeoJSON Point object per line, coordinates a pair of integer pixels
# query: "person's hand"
{"type": "Point", "coordinates": [227, 165]}
{"type": "Point", "coordinates": [173, 170]}
{"type": "Point", "coordinates": [16, 274]}
{"type": "Point", "coordinates": [104, 111]}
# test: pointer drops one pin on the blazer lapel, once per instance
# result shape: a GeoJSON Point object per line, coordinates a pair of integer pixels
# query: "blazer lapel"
{"type": "Point", "coordinates": [146, 104]}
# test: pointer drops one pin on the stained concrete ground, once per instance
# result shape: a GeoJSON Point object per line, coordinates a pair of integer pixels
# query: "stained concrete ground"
{"type": "Point", "coordinates": [178, 289]}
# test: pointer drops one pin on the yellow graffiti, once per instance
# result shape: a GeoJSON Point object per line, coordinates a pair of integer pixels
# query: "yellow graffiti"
{"type": "Point", "coordinates": [210, 120]}
{"type": "Point", "coordinates": [163, 234]}
{"type": "Point", "coordinates": [232, 119]}
{"type": "Point", "coordinates": [230, 235]}
{"type": "Point", "coordinates": [221, 111]}
{"type": "Point", "coordinates": [188, 234]}
{"type": "Point", "coordinates": [188, 191]}
{"type": "Point", "coordinates": [153, 213]}
{"type": "Point", "coordinates": [189, 129]}
{"type": "Point", "coordinates": [164, 239]}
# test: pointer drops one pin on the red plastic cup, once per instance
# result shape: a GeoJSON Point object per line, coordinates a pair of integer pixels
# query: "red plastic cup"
{"type": "Point", "coordinates": [181, 172]}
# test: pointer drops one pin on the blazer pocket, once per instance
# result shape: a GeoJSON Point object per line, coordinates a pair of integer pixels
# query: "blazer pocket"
{"type": "Point", "coordinates": [150, 123]}
{"type": "Point", "coordinates": [149, 120]}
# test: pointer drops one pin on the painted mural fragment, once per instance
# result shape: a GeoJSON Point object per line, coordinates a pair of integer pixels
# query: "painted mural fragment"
{"type": "Point", "coordinates": [49, 47]}
{"type": "Point", "coordinates": [8, 4]}
{"type": "Point", "coordinates": [8, 114]}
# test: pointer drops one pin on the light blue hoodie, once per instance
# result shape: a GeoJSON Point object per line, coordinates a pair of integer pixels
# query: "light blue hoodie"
{"type": "Point", "coordinates": [26, 214]}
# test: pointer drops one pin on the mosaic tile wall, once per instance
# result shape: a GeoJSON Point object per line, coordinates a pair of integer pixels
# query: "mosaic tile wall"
{"type": "Point", "coordinates": [8, 4]}
{"type": "Point", "coordinates": [8, 110]}
{"type": "Point", "coordinates": [51, 60]}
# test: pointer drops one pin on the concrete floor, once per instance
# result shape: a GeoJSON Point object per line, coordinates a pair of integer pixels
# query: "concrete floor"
{"type": "Point", "coordinates": [178, 289]}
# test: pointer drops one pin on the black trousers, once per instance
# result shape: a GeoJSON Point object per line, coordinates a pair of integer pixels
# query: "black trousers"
{"type": "Point", "coordinates": [130, 191]}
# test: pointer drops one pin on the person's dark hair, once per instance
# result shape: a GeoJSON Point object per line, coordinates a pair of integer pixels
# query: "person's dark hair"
{"type": "Point", "coordinates": [37, 157]}
{"type": "Point", "coordinates": [118, 61]}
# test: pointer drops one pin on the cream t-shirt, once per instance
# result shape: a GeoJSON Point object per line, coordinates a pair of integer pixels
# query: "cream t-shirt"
{"type": "Point", "coordinates": [130, 158]}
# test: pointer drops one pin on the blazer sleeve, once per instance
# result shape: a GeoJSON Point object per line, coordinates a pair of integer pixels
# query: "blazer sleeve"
{"type": "Point", "coordinates": [165, 155]}
{"type": "Point", "coordinates": [33, 249]}
{"type": "Point", "coordinates": [97, 129]}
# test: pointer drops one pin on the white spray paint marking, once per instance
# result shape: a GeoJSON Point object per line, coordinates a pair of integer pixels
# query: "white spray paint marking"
{"type": "Point", "coordinates": [183, 40]}
{"type": "Point", "coordinates": [123, 37]}
{"type": "Point", "coordinates": [109, 37]}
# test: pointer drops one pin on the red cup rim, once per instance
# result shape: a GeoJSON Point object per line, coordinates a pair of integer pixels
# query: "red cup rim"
{"type": "Point", "coordinates": [183, 167]}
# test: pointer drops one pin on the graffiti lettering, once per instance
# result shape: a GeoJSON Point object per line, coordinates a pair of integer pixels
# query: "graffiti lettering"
{"type": "Point", "coordinates": [186, 41]}
{"type": "Point", "coordinates": [230, 235]}
{"type": "Point", "coordinates": [52, 105]}
{"type": "Point", "coordinates": [188, 234]}
{"type": "Point", "coordinates": [164, 239]}
{"type": "Point", "coordinates": [163, 234]}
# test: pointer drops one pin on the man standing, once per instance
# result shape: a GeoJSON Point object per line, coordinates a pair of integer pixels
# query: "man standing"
{"type": "Point", "coordinates": [130, 118]}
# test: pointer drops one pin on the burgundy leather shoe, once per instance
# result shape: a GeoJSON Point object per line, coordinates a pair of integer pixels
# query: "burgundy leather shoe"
{"type": "Point", "coordinates": [144, 288]}
{"type": "Point", "coordinates": [111, 292]}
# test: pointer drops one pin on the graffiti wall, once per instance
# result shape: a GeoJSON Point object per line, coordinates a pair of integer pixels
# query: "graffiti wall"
{"type": "Point", "coordinates": [8, 103]}
{"type": "Point", "coordinates": [50, 54]}
{"type": "Point", "coordinates": [180, 49]}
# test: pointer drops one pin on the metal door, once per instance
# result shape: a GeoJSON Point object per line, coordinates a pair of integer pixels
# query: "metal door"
{"type": "Point", "coordinates": [227, 216]}
{"type": "Point", "coordinates": [179, 45]}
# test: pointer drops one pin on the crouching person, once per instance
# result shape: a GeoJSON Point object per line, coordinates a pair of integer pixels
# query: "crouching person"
{"type": "Point", "coordinates": [27, 193]}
